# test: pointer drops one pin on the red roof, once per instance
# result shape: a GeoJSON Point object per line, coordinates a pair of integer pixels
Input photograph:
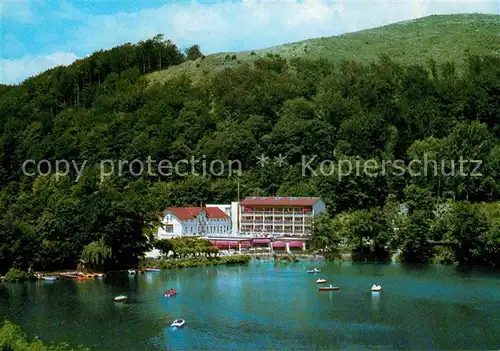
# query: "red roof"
{"type": "Point", "coordinates": [184, 213]}
{"type": "Point", "coordinates": [280, 201]}
{"type": "Point", "coordinates": [215, 213]}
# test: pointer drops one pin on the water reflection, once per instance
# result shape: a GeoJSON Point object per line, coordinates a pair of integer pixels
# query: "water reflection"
{"type": "Point", "coordinates": [375, 300]}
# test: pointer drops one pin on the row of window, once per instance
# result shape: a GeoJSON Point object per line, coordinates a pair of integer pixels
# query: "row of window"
{"type": "Point", "coordinates": [276, 219]}
{"type": "Point", "coordinates": [276, 229]}
{"type": "Point", "coordinates": [279, 210]}
{"type": "Point", "coordinates": [220, 229]}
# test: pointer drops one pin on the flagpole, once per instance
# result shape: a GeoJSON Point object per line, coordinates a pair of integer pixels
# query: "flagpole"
{"type": "Point", "coordinates": [238, 189]}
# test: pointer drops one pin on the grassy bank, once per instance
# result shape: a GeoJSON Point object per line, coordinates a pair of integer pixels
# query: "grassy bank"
{"type": "Point", "coordinates": [12, 338]}
{"type": "Point", "coordinates": [196, 262]}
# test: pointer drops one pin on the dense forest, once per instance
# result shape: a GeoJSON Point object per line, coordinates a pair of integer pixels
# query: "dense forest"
{"type": "Point", "coordinates": [104, 108]}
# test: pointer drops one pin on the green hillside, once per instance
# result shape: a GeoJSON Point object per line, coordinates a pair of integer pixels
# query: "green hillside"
{"type": "Point", "coordinates": [76, 145]}
{"type": "Point", "coordinates": [443, 37]}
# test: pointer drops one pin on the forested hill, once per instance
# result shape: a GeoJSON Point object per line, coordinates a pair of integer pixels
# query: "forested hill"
{"type": "Point", "coordinates": [384, 111]}
{"type": "Point", "coordinates": [438, 37]}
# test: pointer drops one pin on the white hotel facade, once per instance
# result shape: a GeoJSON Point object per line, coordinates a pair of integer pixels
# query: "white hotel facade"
{"type": "Point", "coordinates": [279, 216]}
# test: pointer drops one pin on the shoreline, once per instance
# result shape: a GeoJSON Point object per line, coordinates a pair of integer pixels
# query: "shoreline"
{"type": "Point", "coordinates": [195, 262]}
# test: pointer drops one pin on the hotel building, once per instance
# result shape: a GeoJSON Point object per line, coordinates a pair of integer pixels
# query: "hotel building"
{"type": "Point", "coordinates": [279, 216]}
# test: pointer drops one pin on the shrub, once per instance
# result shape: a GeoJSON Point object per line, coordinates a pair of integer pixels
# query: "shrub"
{"type": "Point", "coordinates": [12, 338]}
{"type": "Point", "coordinates": [443, 255]}
{"type": "Point", "coordinates": [197, 262]}
{"type": "Point", "coordinates": [16, 275]}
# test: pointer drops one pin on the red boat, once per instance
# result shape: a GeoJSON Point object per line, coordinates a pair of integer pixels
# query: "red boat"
{"type": "Point", "coordinates": [329, 288]}
{"type": "Point", "coordinates": [170, 293]}
{"type": "Point", "coordinates": [74, 276]}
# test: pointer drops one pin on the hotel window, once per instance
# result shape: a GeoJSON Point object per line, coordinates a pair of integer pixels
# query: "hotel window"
{"type": "Point", "coordinates": [169, 228]}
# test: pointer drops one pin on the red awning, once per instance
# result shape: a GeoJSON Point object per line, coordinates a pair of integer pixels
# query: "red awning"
{"type": "Point", "coordinates": [222, 243]}
{"type": "Point", "coordinates": [226, 244]}
{"type": "Point", "coordinates": [295, 244]}
{"type": "Point", "coordinates": [280, 244]}
{"type": "Point", "coordinates": [213, 242]}
{"type": "Point", "coordinates": [261, 241]}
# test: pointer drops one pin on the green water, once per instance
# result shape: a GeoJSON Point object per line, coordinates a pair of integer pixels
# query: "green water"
{"type": "Point", "coordinates": [267, 306]}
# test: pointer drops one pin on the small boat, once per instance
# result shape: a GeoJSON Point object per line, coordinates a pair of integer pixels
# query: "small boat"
{"type": "Point", "coordinates": [329, 288]}
{"type": "Point", "coordinates": [100, 275]}
{"type": "Point", "coordinates": [178, 323]}
{"type": "Point", "coordinates": [50, 278]}
{"type": "Point", "coordinates": [83, 276]}
{"type": "Point", "coordinates": [315, 270]}
{"type": "Point", "coordinates": [152, 270]}
{"type": "Point", "coordinates": [376, 288]}
{"type": "Point", "coordinates": [170, 293]}
{"type": "Point", "coordinates": [132, 271]}
{"type": "Point", "coordinates": [120, 298]}
{"type": "Point", "coordinates": [73, 276]}
{"type": "Point", "coordinates": [320, 281]}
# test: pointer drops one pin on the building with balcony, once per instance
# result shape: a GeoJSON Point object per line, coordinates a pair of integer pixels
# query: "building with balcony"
{"type": "Point", "coordinates": [279, 216]}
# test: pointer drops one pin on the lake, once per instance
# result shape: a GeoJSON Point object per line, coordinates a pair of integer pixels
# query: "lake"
{"type": "Point", "coordinates": [267, 306]}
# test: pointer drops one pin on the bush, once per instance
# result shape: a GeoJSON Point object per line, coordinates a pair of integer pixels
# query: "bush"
{"type": "Point", "coordinates": [16, 275]}
{"type": "Point", "coordinates": [443, 255]}
{"type": "Point", "coordinates": [197, 262]}
{"type": "Point", "coordinates": [12, 338]}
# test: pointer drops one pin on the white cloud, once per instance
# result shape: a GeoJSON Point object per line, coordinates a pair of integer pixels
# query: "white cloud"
{"type": "Point", "coordinates": [233, 26]}
{"type": "Point", "coordinates": [18, 10]}
{"type": "Point", "coordinates": [14, 71]}
{"type": "Point", "coordinates": [255, 24]}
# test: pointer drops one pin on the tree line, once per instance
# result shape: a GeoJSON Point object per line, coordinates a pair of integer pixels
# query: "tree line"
{"type": "Point", "coordinates": [104, 107]}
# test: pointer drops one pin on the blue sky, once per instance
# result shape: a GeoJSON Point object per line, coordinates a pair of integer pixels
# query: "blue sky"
{"type": "Point", "coordinates": [40, 34]}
